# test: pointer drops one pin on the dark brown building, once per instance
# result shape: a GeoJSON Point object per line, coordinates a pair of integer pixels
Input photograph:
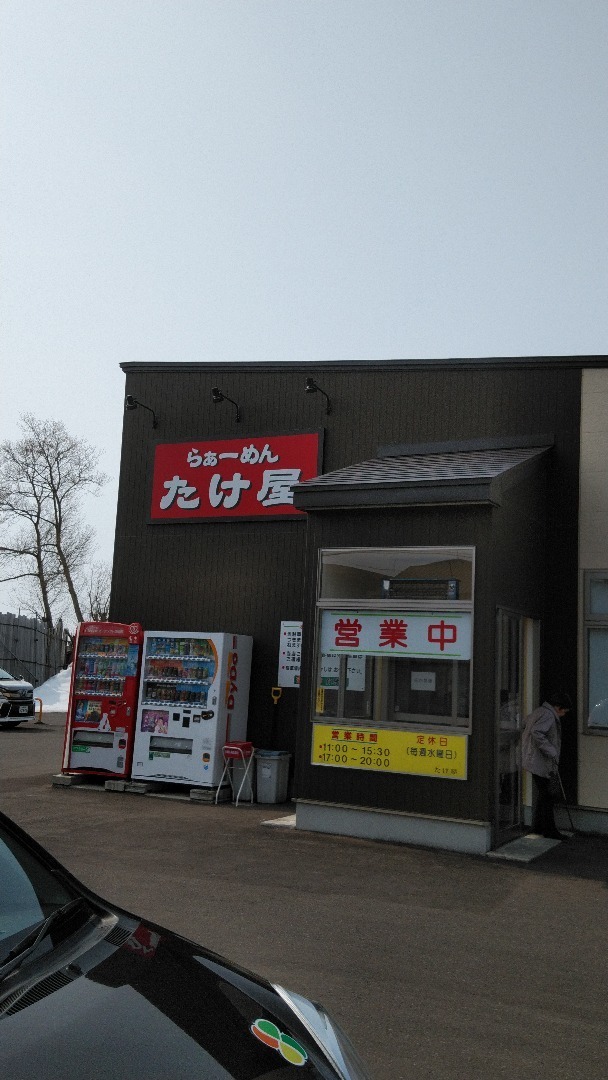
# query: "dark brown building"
{"type": "Point", "coordinates": [430, 551]}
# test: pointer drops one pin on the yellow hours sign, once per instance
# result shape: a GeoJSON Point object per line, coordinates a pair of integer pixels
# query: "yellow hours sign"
{"type": "Point", "coordinates": [423, 753]}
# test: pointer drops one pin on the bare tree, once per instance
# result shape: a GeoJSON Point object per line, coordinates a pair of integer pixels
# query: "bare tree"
{"type": "Point", "coordinates": [26, 552]}
{"type": "Point", "coordinates": [98, 592]}
{"type": "Point", "coordinates": [43, 476]}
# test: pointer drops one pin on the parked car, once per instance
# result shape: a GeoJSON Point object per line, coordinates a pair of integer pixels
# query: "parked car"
{"type": "Point", "coordinates": [16, 700]}
{"type": "Point", "coordinates": [87, 989]}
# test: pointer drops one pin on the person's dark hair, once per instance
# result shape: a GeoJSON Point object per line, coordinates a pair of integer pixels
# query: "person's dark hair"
{"type": "Point", "coordinates": [559, 700]}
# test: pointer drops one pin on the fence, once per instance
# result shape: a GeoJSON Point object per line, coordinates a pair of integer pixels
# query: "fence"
{"type": "Point", "coordinates": [29, 649]}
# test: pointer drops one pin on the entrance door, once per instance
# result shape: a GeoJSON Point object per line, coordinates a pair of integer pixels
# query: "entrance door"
{"type": "Point", "coordinates": [516, 685]}
{"type": "Point", "coordinates": [516, 693]}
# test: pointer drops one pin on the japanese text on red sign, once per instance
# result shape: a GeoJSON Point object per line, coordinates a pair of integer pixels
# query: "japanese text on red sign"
{"type": "Point", "coordinates": [231, 478]}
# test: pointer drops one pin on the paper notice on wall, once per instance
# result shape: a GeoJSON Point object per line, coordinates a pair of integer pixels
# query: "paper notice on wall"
{"type": "Point", "coordinates": [290, 654]}
{"type": "Point", "coordinates": [329, 672]}
{"type": "Point", "coordinates": [424, 680]}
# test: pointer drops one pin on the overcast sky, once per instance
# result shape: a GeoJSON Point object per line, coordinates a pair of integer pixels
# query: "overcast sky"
{"type": "Point", "coordinates": [292, 180]}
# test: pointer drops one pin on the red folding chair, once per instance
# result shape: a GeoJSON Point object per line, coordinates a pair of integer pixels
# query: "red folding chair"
{"type": "Point", "coordinates": [244, 754]}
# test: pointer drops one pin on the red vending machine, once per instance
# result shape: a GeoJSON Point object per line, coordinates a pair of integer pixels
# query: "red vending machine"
{"type": "Point", "coordinates": [103, 699]}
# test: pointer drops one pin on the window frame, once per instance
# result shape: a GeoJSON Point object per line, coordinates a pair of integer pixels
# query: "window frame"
{"type": "Point", "coordinates": [591, 621]}
{"type": "Point", "coordinates": [362, 605]}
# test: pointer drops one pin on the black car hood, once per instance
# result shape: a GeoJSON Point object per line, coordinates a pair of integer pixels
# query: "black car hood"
{"type": "Point", "coordinates": [156, 1007]}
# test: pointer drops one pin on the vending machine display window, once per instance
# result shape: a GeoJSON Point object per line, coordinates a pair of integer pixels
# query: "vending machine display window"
{"type": "Point", "coordinates": [178, 671]}
{"type": "Point", "coordinates": [102, 664]}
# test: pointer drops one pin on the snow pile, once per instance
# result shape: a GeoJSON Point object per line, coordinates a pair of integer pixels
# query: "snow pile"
{"type": "Point", "coordinates": [55, 692]}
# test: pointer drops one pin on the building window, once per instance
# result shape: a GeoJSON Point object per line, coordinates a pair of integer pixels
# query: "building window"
{"type": "Point", "coordinates": [397, 573]}
{"type": "Point", "coordinates": [596, 650]}
{"type": "Point", "coordinates": [394, 637]}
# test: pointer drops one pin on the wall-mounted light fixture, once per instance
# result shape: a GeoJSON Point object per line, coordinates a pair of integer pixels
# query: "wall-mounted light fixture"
{"type": "Point", "coordinates": [217, 396]}
{"type": "Point", "coordinates": [312, 388]}
{"type": "Point", "coordinates": [132, 403]}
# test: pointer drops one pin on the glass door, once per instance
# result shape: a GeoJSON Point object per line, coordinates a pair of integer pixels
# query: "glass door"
{"type": "Point", "coordinates": [509, 722]}
{"type": "Point", "coordinates": [517, 661]}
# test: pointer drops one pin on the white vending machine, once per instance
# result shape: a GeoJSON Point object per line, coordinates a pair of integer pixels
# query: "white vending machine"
{"type": "Point", "coordinates": [193, 698]}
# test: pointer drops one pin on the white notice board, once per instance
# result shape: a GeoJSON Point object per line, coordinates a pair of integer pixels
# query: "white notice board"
{"type": "Point", "coordinates": [290, 654]}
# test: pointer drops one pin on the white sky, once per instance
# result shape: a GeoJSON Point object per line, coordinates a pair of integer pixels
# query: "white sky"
{"type": "Point", "coordinates": [292, 180]}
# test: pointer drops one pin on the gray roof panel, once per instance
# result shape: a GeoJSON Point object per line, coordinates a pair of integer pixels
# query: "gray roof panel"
{"type": "Point", "coordinates": [462, 476]}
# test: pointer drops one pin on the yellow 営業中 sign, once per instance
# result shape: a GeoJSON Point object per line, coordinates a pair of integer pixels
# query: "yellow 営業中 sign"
{"type": "Point", "coordinates": [423, 753]}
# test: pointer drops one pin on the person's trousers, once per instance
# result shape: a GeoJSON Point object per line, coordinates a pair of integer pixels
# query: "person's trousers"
{"type": "Point", "coordinates": [544, 817]}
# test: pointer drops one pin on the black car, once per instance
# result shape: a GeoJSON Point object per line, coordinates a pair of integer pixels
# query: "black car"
{"type": "Point", "coordinates": [16, 700]}
{"type": "Point", "coordinates": [89, 990]}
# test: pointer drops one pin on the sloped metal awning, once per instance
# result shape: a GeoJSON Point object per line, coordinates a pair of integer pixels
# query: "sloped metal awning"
{"type": "Point", "coordinates": [479, 476]}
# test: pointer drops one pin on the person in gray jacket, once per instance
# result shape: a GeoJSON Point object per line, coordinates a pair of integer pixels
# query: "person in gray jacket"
{"type": "Point", "coordinates": [540, 750]}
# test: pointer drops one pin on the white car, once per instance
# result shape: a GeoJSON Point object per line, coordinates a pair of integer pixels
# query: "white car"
{"type": "Point", "coordinates": [16, 700]}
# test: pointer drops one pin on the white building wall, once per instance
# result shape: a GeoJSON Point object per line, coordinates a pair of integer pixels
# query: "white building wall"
{"type": "Point", "coordinates": [593, 555]}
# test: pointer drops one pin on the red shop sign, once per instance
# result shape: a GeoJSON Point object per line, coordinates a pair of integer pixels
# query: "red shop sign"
{"type": "Point", "coordinates": [232, 478]}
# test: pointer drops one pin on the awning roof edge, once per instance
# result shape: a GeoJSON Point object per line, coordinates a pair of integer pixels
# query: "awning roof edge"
{"type": "Point", "coordinates": [459, 477]}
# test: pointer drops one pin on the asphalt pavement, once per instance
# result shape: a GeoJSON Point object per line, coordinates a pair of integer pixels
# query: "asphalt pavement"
{"type": "Point", "coordinates": [438, 965]}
